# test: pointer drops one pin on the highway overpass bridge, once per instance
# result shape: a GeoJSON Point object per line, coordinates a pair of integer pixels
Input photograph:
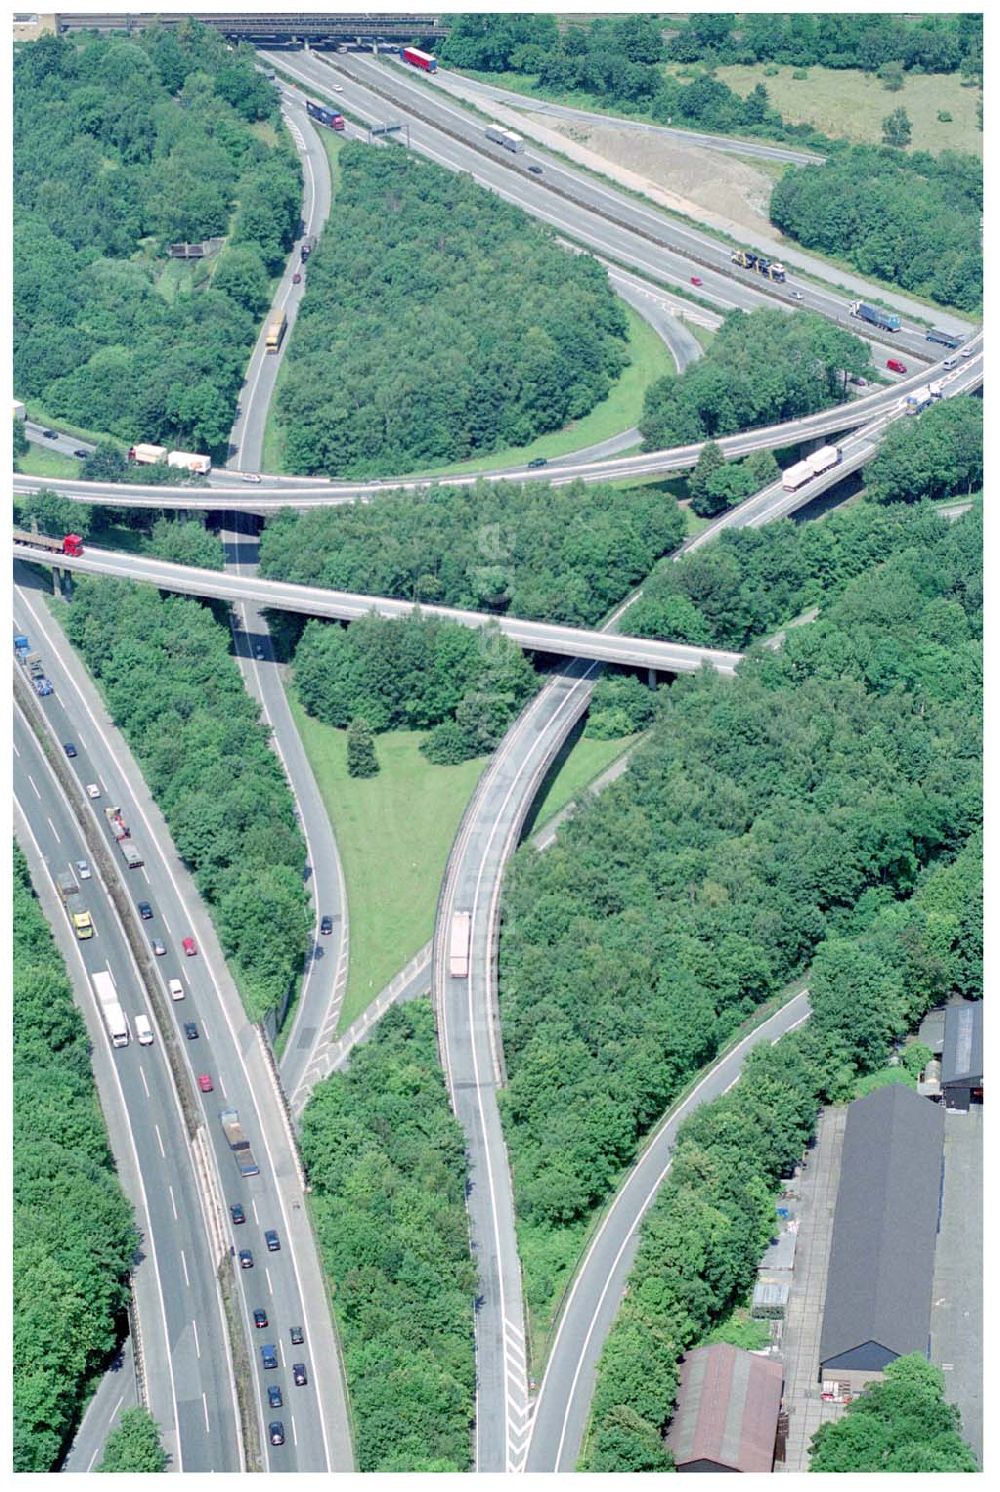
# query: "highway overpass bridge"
{"type": "Point", "coordinates": [277, 28]}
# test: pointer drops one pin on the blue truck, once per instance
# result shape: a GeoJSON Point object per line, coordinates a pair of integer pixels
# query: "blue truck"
{"type": "Point", "coordinates": [888, 321]}
{"type": "Point", "coordinates": [22, 647]}
{"type": "Point", "coordinates": [947, 339]}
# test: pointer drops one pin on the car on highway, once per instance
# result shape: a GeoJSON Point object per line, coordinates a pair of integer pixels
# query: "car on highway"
{"type": "Point", "coordinates": [246, 1259]}
{"type": "Point", "coordinates": [176, 989]}
{"type": "Point", "coordinates": [894, 365]}
{"type": "Point", "coordinates": [190, 946]}
{"type": "Point", "coordinates": [258, 651]}
{"type": "Point", "coordinates": [205, 1082]}
{"type": "Point", "coordinates": [276, 1432]}
{"type": "Point", "coordinates": [297, 277]}
{"type": "Point", "coordinates": [93, 791]}
{"type": "Point", "coordinates": [83, 870]}
{"type": "Point", "coordinates": [69, 748]}
{"type": "Point", "coordinates": [796, 295]}
{"type": "Point", "coordinates": [274, 1399]}
{"type": "Point", "coordinates": [537, 462]}
{"type": "Point", "coordinates": [695, 279]}
{"type": "Point", "coordinates": [535, 170]}
{"type": "Point", "coordinates": [272, 1240]}
{"type": "Point", "coordinates": [269, 1356]}
{"type": "Point", "coordinates": [299, 1374]}
{"type": "Point", "coordinates": [43, 686]}
{"type": "Point", "coordinates": [51, 434]}
{"type": "Point", "coordinates": [967, 352]}
{"type": "Point", "coordinates": [81, 455]}
{"type": "Point", "coordinates": [191, 1030]}
{"type": "Point", "coordinates": [250, 476]}
{"type": "Point", "coordinates": [950, 362]}
{"type": "Point", "coordinates": [159, 946]}
{"type": "Point", "coordinates": [145, 910]}
{"type": "Point", "coordinates": [237, 1213]}
{"type": "Point", "coordinates": [326, 926]}
{"type": "Point", "coordinates": [297, 1335]}
{"type": "Point", "coordinates": [259, 1318]}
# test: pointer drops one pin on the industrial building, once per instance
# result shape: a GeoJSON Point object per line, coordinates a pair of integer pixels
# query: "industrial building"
{"type": "Point", "coordinates": [727, 1410]}
{"type": "Point", "coordinates": [962, 1056]}
{"type": "Point", "coordinates": [885, 1225]}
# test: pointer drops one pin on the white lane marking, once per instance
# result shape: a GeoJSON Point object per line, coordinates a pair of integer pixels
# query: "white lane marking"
{"type": "Point", "coordinates": [222, 1087]}
{"type": "Point", "coordinates": [267, 1276]}
{"type": "Point", "coordinates": [253, 1207]}
{"type": "Point", "coordinates": [281, 1349]}
{"type": "Point", "coordinates": [159, 1141]}
{"type": "Point", "coordinates": [197, 1344]}
{"type": "Point", "coordinates": [32, 781]}
{"type": "Point", "coordinates": [204, 1402]}
{"type": "Point", "coordinates": [142, 1074]}
{"type": "Point", "coordinates": [184, 1266]}
{"type": "Point", "coordinates": [145, 876]}
{"type": "Point", "coordinates": [16, 752]}
{"type": "Point", "coordinates": [295, 1437]}
{"type": "Point", "coordinates": [55, 831]}
{"type": "Point", "coordinates": [116, 1409]}
{"type": "Point", "coordinates": [90, 1464]}
{"type": "Point", "coordinates": [173, 1204]}
{"type": "Point", "coordinates": [166, 924]}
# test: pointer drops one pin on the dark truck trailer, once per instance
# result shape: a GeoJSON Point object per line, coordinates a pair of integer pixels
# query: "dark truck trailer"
{"type": "Point", "coordinates": [947, 339]}
{"type": "Point", "coordinates": [322, 115]}
{"type": "Point", "coordinates": [888, 321]}
{"type": "Point", "coordinates": [238, 1142]}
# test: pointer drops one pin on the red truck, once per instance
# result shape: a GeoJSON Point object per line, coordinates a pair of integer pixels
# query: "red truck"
{"type": "Point", "coordinates": [119, 828]}
{"type": "Point", "coordinates": [426, 61]}
{"type": "Point", "coordinates": [70, 544]}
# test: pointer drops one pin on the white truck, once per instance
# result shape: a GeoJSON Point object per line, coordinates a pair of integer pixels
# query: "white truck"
{"type": "Point", "coordinates": [458, 955]}
{"type": "Point", "coordinates": [111, 1010]}
{"type": "Point", "coordinates": [813, 466]}
{"type": "Point", "coordinates": [509, 139]}
{"type": "Point", "coordinates": [188, 461]}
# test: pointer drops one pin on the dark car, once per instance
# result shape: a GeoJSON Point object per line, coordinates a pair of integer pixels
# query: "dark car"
{"type": "Point", "coordinates": [299, 1374]}
{"type": "Point", "coordinates": [535, 170]}
{"type": "Point", "coordinates": [274, 1399]}
{"type": "Point", "coordinates": [326, 926]}
{"type": "Point", "coordinates": [51, 434]}
{"type": "Point", "coordinates": [81, 455]}
{"type": "Point", "coordinates": [538, 461]}
{"type": "Point", "coordinates": [159, 947]}
{"type": "Point", "coordinates": [69, 749]}
{"type": "Point", "coordinates": [297, 1336]}
{"type": "Point", "coordinates": [145, 910]}
{"type": "Point", "coordinates": [269, 1356]}
{"type": "Point", "coordinates": [191, 1030]}
{"type": "Point", "coordinates": [272, 1240]}
{"type": "Point", "coordinates": [276, 1432]}
{"type": "Point", "coordinates": [42, 686]}
{"type": "Point", "coordinates": [246, 1259]}
{"type": "Point", "coordinates": [259, 1318]}
{"type": "Point", "coordinates": [297, 278]}
{"type": "Point", "coordinates": [236, 1212]}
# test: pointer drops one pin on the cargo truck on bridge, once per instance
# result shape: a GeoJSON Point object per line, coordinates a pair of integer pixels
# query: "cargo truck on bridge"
{"type": "Point", "coordinates": [887, 321]}
{"type": "Point", "coordinates": [113, 1015]}
{"type": "Point", "coordinates": [69, 544]}
{"type": "Point", "coordinates": [238, 1142]}
{"type": "Point", "coordinates": [812, 466]}
{"type": "Point", "coordinates": [150, 455]}
{"type": "Point", "coordinates": [458, 958]}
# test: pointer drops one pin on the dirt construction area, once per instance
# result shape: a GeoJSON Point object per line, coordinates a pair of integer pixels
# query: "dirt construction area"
{"type": "Point", "coordinates": [700, 183]}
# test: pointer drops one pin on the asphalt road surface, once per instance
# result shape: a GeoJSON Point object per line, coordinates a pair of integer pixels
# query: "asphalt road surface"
{"type": "Point", "coordinates": [287, 1284]}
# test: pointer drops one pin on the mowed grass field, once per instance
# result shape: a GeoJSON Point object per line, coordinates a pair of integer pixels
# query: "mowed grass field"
{"type": "Point", "coordinates": [394, 832]}
{"type": "Point", "coordinates": [850, 105]}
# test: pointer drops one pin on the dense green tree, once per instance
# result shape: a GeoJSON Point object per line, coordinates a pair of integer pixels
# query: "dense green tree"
{"type": "Point", "coordinates": [186, 543]}
{"type": "Point", "coordinates": [134, 1445]}
{"type": "Point", "coordinates": [386, 1165]}
{"type": "Point", "coordinates": [361, 758]}
{"type": "Point", "coordinates": [241, 274]}
{"type": "Point", "coordinates": [761, 369]}
{"type": "Point", "coordinates": [902, 1424]}
{"type": "Point", "coordinates": [897, 129]}
{"type": "Point", "coordinates": [54, 514]}
{"type": "Point", "coordinates": [21, 443]}
{"type": "Point", "coordinates": [106, 463]}
{"type": "Point", "coordinates": [937, 454]}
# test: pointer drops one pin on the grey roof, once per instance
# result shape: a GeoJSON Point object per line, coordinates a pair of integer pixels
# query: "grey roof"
{"type": "Point", "coordinates": [727, 1408]}
{"type": "Point", "coordinates": [780, 1253]}
{"type": "Point", "coordinates": [962, 1059]}
{"type": "Point", "coordinates": [885, 1225]}
{"type": "Point", "coordinates": [769, 1294]}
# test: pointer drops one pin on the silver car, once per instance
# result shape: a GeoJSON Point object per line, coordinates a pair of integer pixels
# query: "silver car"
{"type": "Point", "coordinates": [83, 870]}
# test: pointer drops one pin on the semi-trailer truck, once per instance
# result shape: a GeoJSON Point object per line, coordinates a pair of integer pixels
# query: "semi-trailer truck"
{"type": "Point", "coordinates": [507, 138]}
{"type": "Point", "coordinates": [461, 932]}
{"type": "Point", "coordinates": [275, 331]}
{"type": "Point", "coordinates": [322, 115]}
{"type": "Point", "coordinates": [22, 647]}
{"type": "Point", "coordinates": [69, 544]}
{"type": "Point", "coordinates": [115, 819]}
{"type": "Point", "coordinates": [238, 1142]}
{"type": "Point", "coordinates": [769, 268]}
{"type": "Point", "coordinates": [812, 466]}
{"type": "Point", "coordinates": [947, 339]}
{"type": "Point", "coordinates": [426, 61]}
{"type": "Point", "coordinates": [114, 1016]}
{"type": "Point", "coordinates": [888, 321]}
{"type": "Point", "coordinates": [131, 853]}
{"type": "Point", "coordinates": [149, 455]}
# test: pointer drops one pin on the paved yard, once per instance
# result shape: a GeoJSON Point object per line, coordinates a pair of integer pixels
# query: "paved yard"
{"type": "Point", "coordinates": [804, 1315]}
{"type": "Point", "coordinates": [957, 1309]}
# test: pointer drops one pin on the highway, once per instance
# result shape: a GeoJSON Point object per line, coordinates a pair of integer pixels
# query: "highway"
{"type": "Point", "coordinates": [185, 1348]}
{"type": "Point", "coordinates": [574, 201]}
{"type": "Point", "coordinates": [271, 496]}
{"type": "Point", "coordinates": [288, 1284]}
{"type": "Point", "coordinates": [545, 637]}
{"type": "Point", "coordinates": [562, 1408]}
{"type": "Point", "coordinates": [317, 1011]}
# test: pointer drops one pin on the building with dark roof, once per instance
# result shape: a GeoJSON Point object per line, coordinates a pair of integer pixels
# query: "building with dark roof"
{"type": "Point", "coordinates": [962, 1057]}
{"type": "Point", "coordinates": [727, 1410]}
{"type": "Point", "coordinates": [878, 1289]}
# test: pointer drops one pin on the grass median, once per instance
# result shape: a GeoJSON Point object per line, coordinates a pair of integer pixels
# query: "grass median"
{"type": "Point", "coordinates": [394, 832]}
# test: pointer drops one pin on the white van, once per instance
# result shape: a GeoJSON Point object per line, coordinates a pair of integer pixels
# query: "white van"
{"type": "Point", "coordinates": [176, 989]}
{"type": "Point", "coordinates": [143, 1030]}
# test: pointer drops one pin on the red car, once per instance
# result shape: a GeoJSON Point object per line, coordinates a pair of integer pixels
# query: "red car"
{"type": "Point", "coordinates": [297, 278]}
{"type": "Point", "coordinates": [695, 280]}
{"type": "Point", "coordinates": [894, 365]}
{"type": "Point", "coordinates": [204, 1082]}
{"type": "Point", "coordinates": [190, 946]}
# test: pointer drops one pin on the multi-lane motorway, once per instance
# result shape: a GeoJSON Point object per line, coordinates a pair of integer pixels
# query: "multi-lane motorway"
{"type": "Point", "coordinates": [287, 1284]}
